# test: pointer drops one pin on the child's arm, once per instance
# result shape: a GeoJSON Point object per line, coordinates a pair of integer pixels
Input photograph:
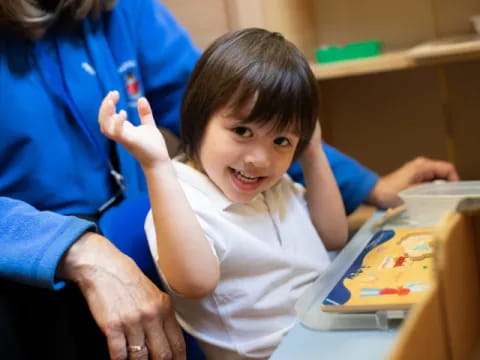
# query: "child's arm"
{"type": "Point", "coordinates": [323, 196]}
{"type": "Point", "coordinates": [184, 254]}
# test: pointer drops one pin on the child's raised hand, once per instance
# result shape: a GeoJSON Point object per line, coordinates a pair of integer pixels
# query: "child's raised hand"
{"type": "Point", "coordinates": [144, 142]}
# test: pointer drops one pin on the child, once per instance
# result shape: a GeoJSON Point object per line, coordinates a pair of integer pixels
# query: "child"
{"type": "Point", "coordinates": [255, 240]}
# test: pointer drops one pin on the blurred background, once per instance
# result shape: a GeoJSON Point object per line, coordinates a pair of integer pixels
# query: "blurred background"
{"type": "Point", "coordinates": [384, 110]}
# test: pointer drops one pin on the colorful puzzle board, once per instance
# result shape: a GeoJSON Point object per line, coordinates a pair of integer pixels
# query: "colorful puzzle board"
{"type": "Point", "coordinates": [393, 272]}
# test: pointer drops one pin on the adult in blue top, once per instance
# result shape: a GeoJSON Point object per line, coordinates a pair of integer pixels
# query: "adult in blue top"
{"type": "Point", "coordinates": [63, 184]}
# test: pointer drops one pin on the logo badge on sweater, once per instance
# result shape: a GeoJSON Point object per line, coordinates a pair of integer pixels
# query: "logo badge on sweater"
{"type": "Point", "coordinates": [132, 85]}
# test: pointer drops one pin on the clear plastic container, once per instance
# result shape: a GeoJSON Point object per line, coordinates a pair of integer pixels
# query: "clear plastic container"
{"type": "Point", "coordinates": [427, 203]}
{"type": "Point", "coordinates": [475, 19]}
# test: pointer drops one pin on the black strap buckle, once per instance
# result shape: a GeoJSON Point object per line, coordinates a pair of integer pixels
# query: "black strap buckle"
{"type": "Point", "coordinates": [115, 199]}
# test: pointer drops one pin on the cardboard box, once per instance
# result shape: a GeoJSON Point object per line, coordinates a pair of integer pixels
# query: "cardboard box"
{"type": "Point", "coordinates": [446, 325]}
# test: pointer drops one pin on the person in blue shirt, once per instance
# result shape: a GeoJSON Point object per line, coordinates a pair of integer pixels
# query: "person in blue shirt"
{"type": "Point", "coordinates": [65, 189]}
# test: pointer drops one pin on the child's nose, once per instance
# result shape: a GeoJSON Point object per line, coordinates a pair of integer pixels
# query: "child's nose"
{"type": "Point", "coordinates": [258, 157]}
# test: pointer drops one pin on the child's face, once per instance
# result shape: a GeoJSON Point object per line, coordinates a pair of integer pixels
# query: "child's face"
{"type": "Point", "coordinates": [244, 159]}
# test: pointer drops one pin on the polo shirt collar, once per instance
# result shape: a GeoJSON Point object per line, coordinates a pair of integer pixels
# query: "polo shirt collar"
{"type": "Point", "coordinates": [201, 182]}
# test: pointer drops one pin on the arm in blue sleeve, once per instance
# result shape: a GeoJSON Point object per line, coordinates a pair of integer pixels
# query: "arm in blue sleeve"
{"type": "Point", "coordinates": [33, 242]}
{"type": "Point", "coordinates": [167, 57]}
{"type": "Point", "coordinates": [354, 180]}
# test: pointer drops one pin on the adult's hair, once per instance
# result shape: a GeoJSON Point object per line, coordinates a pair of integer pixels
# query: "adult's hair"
{"type": "Point", "coordinates": [32, 18]}
{"type": "Point", "coordinates": [245, 65]}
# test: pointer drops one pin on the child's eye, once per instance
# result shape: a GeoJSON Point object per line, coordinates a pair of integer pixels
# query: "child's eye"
{"type": "Point", "coordinates": [242, 131]}
{"type": "Point", "coordinates": [282, 141]}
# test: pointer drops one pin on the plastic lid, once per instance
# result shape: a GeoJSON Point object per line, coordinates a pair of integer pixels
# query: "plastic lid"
{"type": "Point", "coordinates": [443, 189]}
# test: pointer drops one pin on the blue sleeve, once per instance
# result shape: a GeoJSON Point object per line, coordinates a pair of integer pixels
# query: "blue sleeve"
{"type": "Point", "coordinates": [167, 57]}
{"type": "Point", "coordinates": [32, 242]}
{"type": "Point", "coordinates": [354, 180]}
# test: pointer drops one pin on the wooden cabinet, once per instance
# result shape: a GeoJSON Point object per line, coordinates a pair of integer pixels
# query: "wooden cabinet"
{"type": "Point", "coordinates": [382, 111]}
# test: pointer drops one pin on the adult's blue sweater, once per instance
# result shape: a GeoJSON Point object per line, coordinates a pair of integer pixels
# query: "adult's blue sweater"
{"type": "Point", "coordinates": [53, 159]}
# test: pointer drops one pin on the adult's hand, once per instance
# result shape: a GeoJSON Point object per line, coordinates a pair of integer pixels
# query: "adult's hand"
{"type": "Point", "coordinates": [129, 309]}
{"type": "Point", "coordinates": [414, 172]}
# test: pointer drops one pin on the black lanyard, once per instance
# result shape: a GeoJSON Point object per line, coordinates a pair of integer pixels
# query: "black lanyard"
{"type": "Point", "coordinates": [58, 83]}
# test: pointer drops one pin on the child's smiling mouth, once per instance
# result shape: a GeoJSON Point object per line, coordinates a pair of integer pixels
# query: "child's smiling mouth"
{"type": "Point", "coordinates": [245, 182]}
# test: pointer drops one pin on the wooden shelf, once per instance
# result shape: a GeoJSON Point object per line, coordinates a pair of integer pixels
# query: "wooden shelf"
{"type": "Point", "coordinates": [386, 62]}
{"type": "Point", "coordinates": [436, 52]}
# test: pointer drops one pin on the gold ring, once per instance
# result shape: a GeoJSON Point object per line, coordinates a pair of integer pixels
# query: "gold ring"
{"type": "Point", "coordinates": [135, 348]}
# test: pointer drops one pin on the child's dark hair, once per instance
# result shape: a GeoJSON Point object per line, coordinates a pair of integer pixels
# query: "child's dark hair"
{"type": "Point", "coordinates": [247, 64]}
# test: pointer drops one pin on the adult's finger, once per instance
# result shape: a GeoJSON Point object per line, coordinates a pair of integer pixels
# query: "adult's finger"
{"type": "Point", "coordinates": [135, 337]}
{"type": "Point", "coordinates": [135, 353]}
{"type": "Point", "coordinates": [158, 343]}
{"type": "Point", "coordinates": [175, 337]}
{"type": "Point", "coordinates": [116, 341]}
{"type": "Point", "coordinates": [445, 170]}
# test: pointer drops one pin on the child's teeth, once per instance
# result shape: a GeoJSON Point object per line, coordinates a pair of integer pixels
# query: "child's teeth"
{"type": "Point", "coordinates": [246, 178]}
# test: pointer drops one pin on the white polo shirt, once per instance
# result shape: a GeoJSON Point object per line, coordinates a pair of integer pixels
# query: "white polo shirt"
{"type": "Point", "coordinates": [269, 253]}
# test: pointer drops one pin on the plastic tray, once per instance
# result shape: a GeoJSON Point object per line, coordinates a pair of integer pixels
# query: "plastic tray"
{"type": "Point", "coordinates": [427, 203]}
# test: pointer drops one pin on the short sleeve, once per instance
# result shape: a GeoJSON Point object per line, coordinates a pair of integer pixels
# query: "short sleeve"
{"type": "Point", "coordinates": [152, 244]}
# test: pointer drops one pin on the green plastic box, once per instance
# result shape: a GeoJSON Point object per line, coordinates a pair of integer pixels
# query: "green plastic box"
{"type": "Point", "coordinates": [351, 51]}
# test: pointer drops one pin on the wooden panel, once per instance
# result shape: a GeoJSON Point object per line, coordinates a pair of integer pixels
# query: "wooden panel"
{"type": "Point", "coordinates": [205, 20]}
{"type": "Point", "coordinates": [245, 13]}
{"type": "Point", "coordinates": [452, 17]}
{"type": "Point", "coordinates": [447, 50]}
{"type": "Point", "coordinates": [399, 24]}
{"type": "Point", "coordinates": [422, 336]}
{"type": "Point", "coordinates": [458, 274]}
{"type": "Point", "coordinates": [309, 23]}
{"type": "Point", "coordinates": [295, 20]}
{"type": "Point", "coordinates": [395, 60]}
{"type": "Point", "coordinates": [208, 19]}
{"type": "Point", "coordinates": [464, 106]}
{"type": "Point", "coordinates": [384, 120]}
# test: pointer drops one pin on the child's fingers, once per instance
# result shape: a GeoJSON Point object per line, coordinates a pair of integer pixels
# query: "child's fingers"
{"type": "Point", "coordinates": [114, 95]}
{"type": "Point", "coordinates": [116, 125]}
{"type": "Point", "coordinates": [123, 115]}
{"type": "Point", "coordinates": [107, 109]}
{"type": "Point", "coordinates": [145, 112]}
